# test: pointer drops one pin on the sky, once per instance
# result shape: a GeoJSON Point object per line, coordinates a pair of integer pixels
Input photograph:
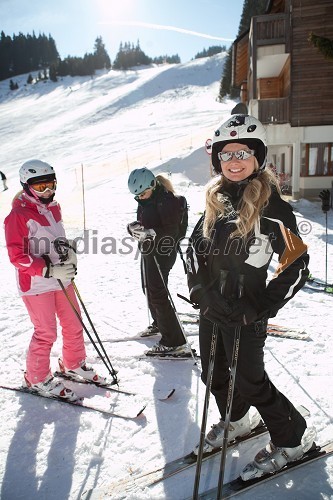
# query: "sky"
{"type": "Point", "coordinates": [183, 27]}
{"type": "Point", "coordinates": [94, 131]}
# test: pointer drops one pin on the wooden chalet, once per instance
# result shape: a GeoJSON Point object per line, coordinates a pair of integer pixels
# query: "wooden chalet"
{"type": "Point", "coordinates": [287, 83]}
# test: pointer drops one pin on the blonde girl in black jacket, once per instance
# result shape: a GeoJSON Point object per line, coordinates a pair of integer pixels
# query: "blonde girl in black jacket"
{"type": "Point", "coordinates": [245, 223]}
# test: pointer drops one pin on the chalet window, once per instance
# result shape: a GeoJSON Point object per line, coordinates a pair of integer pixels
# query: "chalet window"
{"type": "Point", "coordinates": [317, 159]}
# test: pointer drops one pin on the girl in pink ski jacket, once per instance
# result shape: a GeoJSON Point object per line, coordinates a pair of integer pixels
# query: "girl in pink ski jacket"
{"type": "Point", "coordinates": [31, 230]}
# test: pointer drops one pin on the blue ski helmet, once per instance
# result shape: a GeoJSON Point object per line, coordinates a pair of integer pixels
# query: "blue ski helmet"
{"type": "Point", "coordinates": [140, 180]}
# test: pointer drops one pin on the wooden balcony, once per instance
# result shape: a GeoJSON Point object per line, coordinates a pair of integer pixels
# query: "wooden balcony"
{"type": "Point", "coordinates": [274, 110]}
{"type": "Point", "coordinates": [270, 30]}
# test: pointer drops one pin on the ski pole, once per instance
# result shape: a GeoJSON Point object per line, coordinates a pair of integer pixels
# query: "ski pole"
{"type": "Point", "coordinates": [326, 203]}
{"type": "Point", "coordinates": [174, 308]}
{"type": "Point", "coordinates": [231, 388]}
{"type": "Point", "coordinates": [113, 373]}
{"type": "Point", "coordinates": [326, 240]}
{"type": "Point", "coordinates": [223, 279]}
{"type": "Point", "coordinates": [145, 288]}
{"type": "Point", "coordinates": [110, 369]}
{"type": "Point", "coordinates": [205, 412]}
{"type": "Point", "coordinates": [179, 250]}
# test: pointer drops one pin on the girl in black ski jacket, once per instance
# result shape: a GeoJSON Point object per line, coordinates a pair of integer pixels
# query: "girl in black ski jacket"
{"type": "Point", "coordinates": [275, 233]}
{"type": "Point", "coordinates": [231, 248]}
{"type": "Point", "coordinates": [157, 230]}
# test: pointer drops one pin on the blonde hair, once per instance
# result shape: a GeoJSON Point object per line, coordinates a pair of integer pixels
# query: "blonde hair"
{"type": "Point", "coordinates": [254, 199]}
{"type": "Point", "coordinates": [17, 195]}
{"type": "Point", "coordinates": [166, 183]}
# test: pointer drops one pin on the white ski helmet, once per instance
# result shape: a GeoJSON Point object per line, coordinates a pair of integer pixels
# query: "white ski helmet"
{"type": "Point", "coordinates": [140, 180]}
{"type": "Point", "coordinates": [244, 129]}
{"type": "Point", "coordinates": [36, 171]}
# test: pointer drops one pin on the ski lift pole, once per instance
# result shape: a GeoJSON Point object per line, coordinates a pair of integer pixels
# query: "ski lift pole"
{"type": "Point", "coordinates": [326, 250]}
{"type": "Point", "coordinates": [227, 419]}
{"type": "Point", "coordinates": [83, 199]}
{"type": "Point", "coordinates": [326, 202]}
{"type": "Point", "coordinates": [209, 380]}
{"type": "Point", "coordinates": [174, 308]}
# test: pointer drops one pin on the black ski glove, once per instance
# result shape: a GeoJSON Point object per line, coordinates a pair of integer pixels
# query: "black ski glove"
{"type": "Point", "coordinates": [325, 197]}
{"type": "Point", "coordinates": [214, 307]}
{"type": "Point", "coordinates": [242, 312]}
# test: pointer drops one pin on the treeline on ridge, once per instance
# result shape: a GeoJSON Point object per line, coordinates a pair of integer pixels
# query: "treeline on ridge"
{"type": "Point", "coordinates": [26, 53]}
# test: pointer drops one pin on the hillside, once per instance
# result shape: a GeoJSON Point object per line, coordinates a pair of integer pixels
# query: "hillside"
{"type": "Point", "coordinates": [105, 120]}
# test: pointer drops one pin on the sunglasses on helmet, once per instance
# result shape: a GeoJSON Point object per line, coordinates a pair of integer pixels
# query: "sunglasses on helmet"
{"type": "Point", "coordinates": [41, 187]}
{"type": "Point", "coordinates": [242, 154]}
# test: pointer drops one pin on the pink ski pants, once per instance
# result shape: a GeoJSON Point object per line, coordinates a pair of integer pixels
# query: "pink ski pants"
{"type": "Point", "coordinates": [43, 310]}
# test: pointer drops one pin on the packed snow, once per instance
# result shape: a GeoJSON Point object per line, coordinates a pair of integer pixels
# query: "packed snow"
{"type": "Point", "coordinates": [94, 131]}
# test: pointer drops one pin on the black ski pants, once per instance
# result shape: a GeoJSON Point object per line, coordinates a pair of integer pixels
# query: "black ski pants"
{"type": "Point", "coordinates": [252, 385]}
{"type": "Point", "coordinates": [160, 307]}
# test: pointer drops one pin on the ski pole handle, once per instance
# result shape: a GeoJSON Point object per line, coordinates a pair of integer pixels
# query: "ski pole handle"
{"type": "Point", "coordinates": [61, 246]}
{"type": "Point", "coordinates": [241, 286]}
{"type": "Point", "coordinates": [223, 280]}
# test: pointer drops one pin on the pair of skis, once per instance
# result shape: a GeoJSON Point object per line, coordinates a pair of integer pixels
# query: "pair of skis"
{"type": "Point", "coordinates": [81, 403]}
{"type": "Point", "coordinates": [130, 485]}
{"type": "Point", "coordinates": [104, 405]}
{"type": "Point", "coordinates": [318, 285]}
{"type": "Point", "coordinates": [237, 486]}
{"type": "Point", "coordinates": [272, 330]}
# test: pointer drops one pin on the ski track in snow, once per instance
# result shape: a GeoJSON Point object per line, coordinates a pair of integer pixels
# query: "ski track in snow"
{"type": "Point", "coordinates": [115, 122]}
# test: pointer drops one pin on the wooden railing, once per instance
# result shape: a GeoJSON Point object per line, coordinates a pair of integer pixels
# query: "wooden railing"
{"type": "Point", "coordinates": [270, 29]}
{"type": "Point", "coordinates": [274, 110]}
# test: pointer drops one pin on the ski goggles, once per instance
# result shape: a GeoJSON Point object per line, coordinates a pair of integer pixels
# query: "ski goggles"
{"type": "Point", "coordinates": [41, 187]}
{"type": "Point", "coordinates": [242, 154]}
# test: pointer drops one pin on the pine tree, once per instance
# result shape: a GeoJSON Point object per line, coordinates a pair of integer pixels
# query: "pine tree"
{"type": "Point", "coordinates": [211, 51]}
{"type": "Point", "coordinates": [101, 57]}
{"type": "Point", "coordinates": [53, 73]}
{"type": "Point", "coordinates": [25, 53]}
{"type": "Point", "coordinates": [129, 56]}
{"type": "Point", "coordinates": [6, 47]}
{"type": "Point", "coordinates": [12, 85]}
